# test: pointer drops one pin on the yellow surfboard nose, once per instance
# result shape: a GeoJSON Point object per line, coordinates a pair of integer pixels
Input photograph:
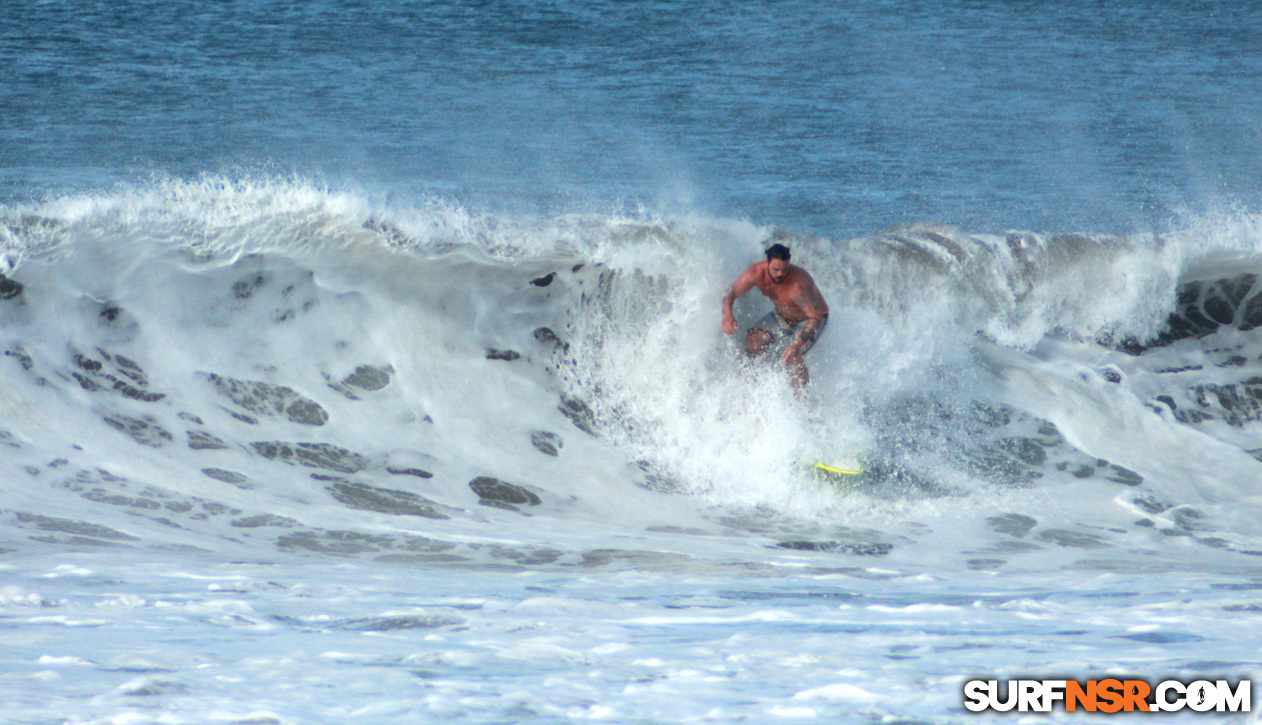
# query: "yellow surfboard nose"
{"type": "Point", "coordinates": [840, 471]}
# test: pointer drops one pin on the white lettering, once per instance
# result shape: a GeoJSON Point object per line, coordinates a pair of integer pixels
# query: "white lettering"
{"type": "Point", "coordinates": [1031, 696]}
{"type": "Point", "coordinates": [1239, 701]}
{"type": "Point", "coordinates": [1163, 702]}
{"type": "Point", "coordinates": [1055, 691]}
{"type": "Point", "coordinates": [995, 704]}
{"type": "Point", "coordinates": [1202, 696]}
{"type": "Point", "coordinates": [976, 695]}
{"type": "Point", "coordinates": [1167, 696]}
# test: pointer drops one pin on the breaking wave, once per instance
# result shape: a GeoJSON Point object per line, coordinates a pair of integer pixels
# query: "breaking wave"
{"type": "Point", "coordinates": [194, 363]}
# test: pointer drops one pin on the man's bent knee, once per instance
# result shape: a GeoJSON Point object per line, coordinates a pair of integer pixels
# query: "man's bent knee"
{"type": "Point", "coordinates": [756, 342]}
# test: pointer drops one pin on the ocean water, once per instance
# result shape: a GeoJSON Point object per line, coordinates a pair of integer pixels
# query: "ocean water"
{"type": "Point", "coordinates": [362, 361]}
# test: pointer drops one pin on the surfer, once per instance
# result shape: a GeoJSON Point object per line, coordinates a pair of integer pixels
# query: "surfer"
{"type": "Point", "coordinates": [799, 315]}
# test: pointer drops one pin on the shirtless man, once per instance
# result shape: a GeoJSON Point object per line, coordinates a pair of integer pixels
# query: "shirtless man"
{"type": "Point", "coordinates": [800, 311]}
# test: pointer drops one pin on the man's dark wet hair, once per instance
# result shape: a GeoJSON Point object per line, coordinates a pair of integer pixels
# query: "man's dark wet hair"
{"type": "Point", "coordinates": [777, 251]}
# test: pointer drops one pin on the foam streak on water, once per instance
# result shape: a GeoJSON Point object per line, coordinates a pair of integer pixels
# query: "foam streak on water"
{"type": "Point", "coordinates": [96, 639]}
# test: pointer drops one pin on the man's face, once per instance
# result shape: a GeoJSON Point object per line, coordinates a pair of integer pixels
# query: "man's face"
{"type": "Point", "coordinates": [777, 270]}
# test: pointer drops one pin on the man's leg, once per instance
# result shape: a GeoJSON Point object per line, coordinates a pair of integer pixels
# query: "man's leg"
{"type": "Point", "coordinates": [799, 376]}
{"type": "Point", "coordinates": [760, 337]}
{"type": "Point", "coordinates": [757, 341]}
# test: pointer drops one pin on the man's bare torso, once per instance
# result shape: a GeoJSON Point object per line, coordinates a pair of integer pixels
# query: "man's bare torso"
{"type": "Point", "coordinates": [795, 299]}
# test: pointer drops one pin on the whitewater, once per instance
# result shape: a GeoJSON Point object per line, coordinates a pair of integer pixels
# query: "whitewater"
{"type": "Point", "coordinates": [281, 453]}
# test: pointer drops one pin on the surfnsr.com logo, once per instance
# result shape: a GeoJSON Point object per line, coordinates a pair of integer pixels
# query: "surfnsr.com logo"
{"type": "Point", "coordinates": [1109, 696]}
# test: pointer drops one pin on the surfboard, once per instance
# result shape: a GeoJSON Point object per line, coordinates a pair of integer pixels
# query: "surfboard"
{"type": "Point", "coordinates": [843, 474]}
{"type": "Point", "coordinates": [853, 468]}
{"type": "Point", "coordinates": [831, 454]}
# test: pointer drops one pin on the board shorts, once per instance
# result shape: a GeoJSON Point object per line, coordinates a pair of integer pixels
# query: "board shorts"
{"type": "Point", "coordinates": [783, 334]}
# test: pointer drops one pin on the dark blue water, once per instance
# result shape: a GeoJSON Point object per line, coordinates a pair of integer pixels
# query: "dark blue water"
{"type": "Point", "coordinates": [836, 118]}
